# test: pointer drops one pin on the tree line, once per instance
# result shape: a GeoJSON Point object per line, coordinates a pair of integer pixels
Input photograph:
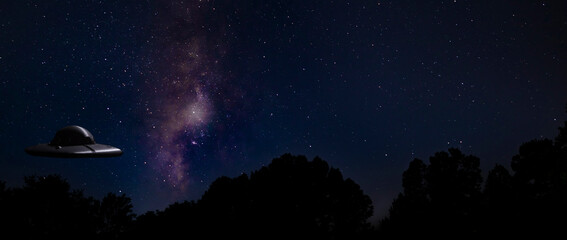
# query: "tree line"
{"type": "Point", "coordinates": [288, 198]}
{"type": "Point", "coordinates": [295, 197]}
{"type": "Point", "coordinates": [446, 197]}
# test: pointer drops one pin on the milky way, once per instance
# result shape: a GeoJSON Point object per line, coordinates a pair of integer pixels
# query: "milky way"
{"type": "Point", "coordinates": [182, 86]}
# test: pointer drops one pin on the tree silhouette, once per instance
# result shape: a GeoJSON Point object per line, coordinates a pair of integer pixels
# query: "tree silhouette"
{"type": "Point", "coordinates": [176, 219]}
{"type": "Point", "coordinates": [440, 199]}
{"type": "Point", "coordinates": [410, 208]}
{"type": "Point", "coordinates": [532, 199]}
{"type": "Point", "coordinates": [114, 215]}
{"type": "Point", "coordinates": [291, 197]}
{"type": "Point", "coordinates": [445, 197]}
{"type": "Point", "coordinates": [45, 207]}
{"type": "Point", "coordinates": [454, 184]}
{"type": "Point", "coordinates": [499, 204]}
{"type": "Point", "coordinates": [540, 185]}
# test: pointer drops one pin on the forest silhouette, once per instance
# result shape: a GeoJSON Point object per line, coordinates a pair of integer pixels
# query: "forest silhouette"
{"type": "Point", "coordinates": [294, 197]}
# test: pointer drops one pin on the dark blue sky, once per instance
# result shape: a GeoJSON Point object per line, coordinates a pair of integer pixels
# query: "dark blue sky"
{"type": "Point", "coordinates": [192, 90]}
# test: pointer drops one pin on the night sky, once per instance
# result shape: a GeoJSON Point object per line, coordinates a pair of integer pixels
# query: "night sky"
{"type": "Point", "coordinates": [194, 90]}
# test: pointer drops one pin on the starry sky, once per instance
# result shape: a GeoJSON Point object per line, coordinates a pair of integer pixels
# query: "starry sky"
{"type": "Point", "coordinates": [194, 90]}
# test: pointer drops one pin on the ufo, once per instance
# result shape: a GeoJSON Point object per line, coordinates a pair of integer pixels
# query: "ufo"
{"type": "Point", "coordinates": [73, 142]}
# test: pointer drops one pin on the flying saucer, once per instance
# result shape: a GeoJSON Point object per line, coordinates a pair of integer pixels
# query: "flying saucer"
{"type": "Point", "coordinates": [73, 142]}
